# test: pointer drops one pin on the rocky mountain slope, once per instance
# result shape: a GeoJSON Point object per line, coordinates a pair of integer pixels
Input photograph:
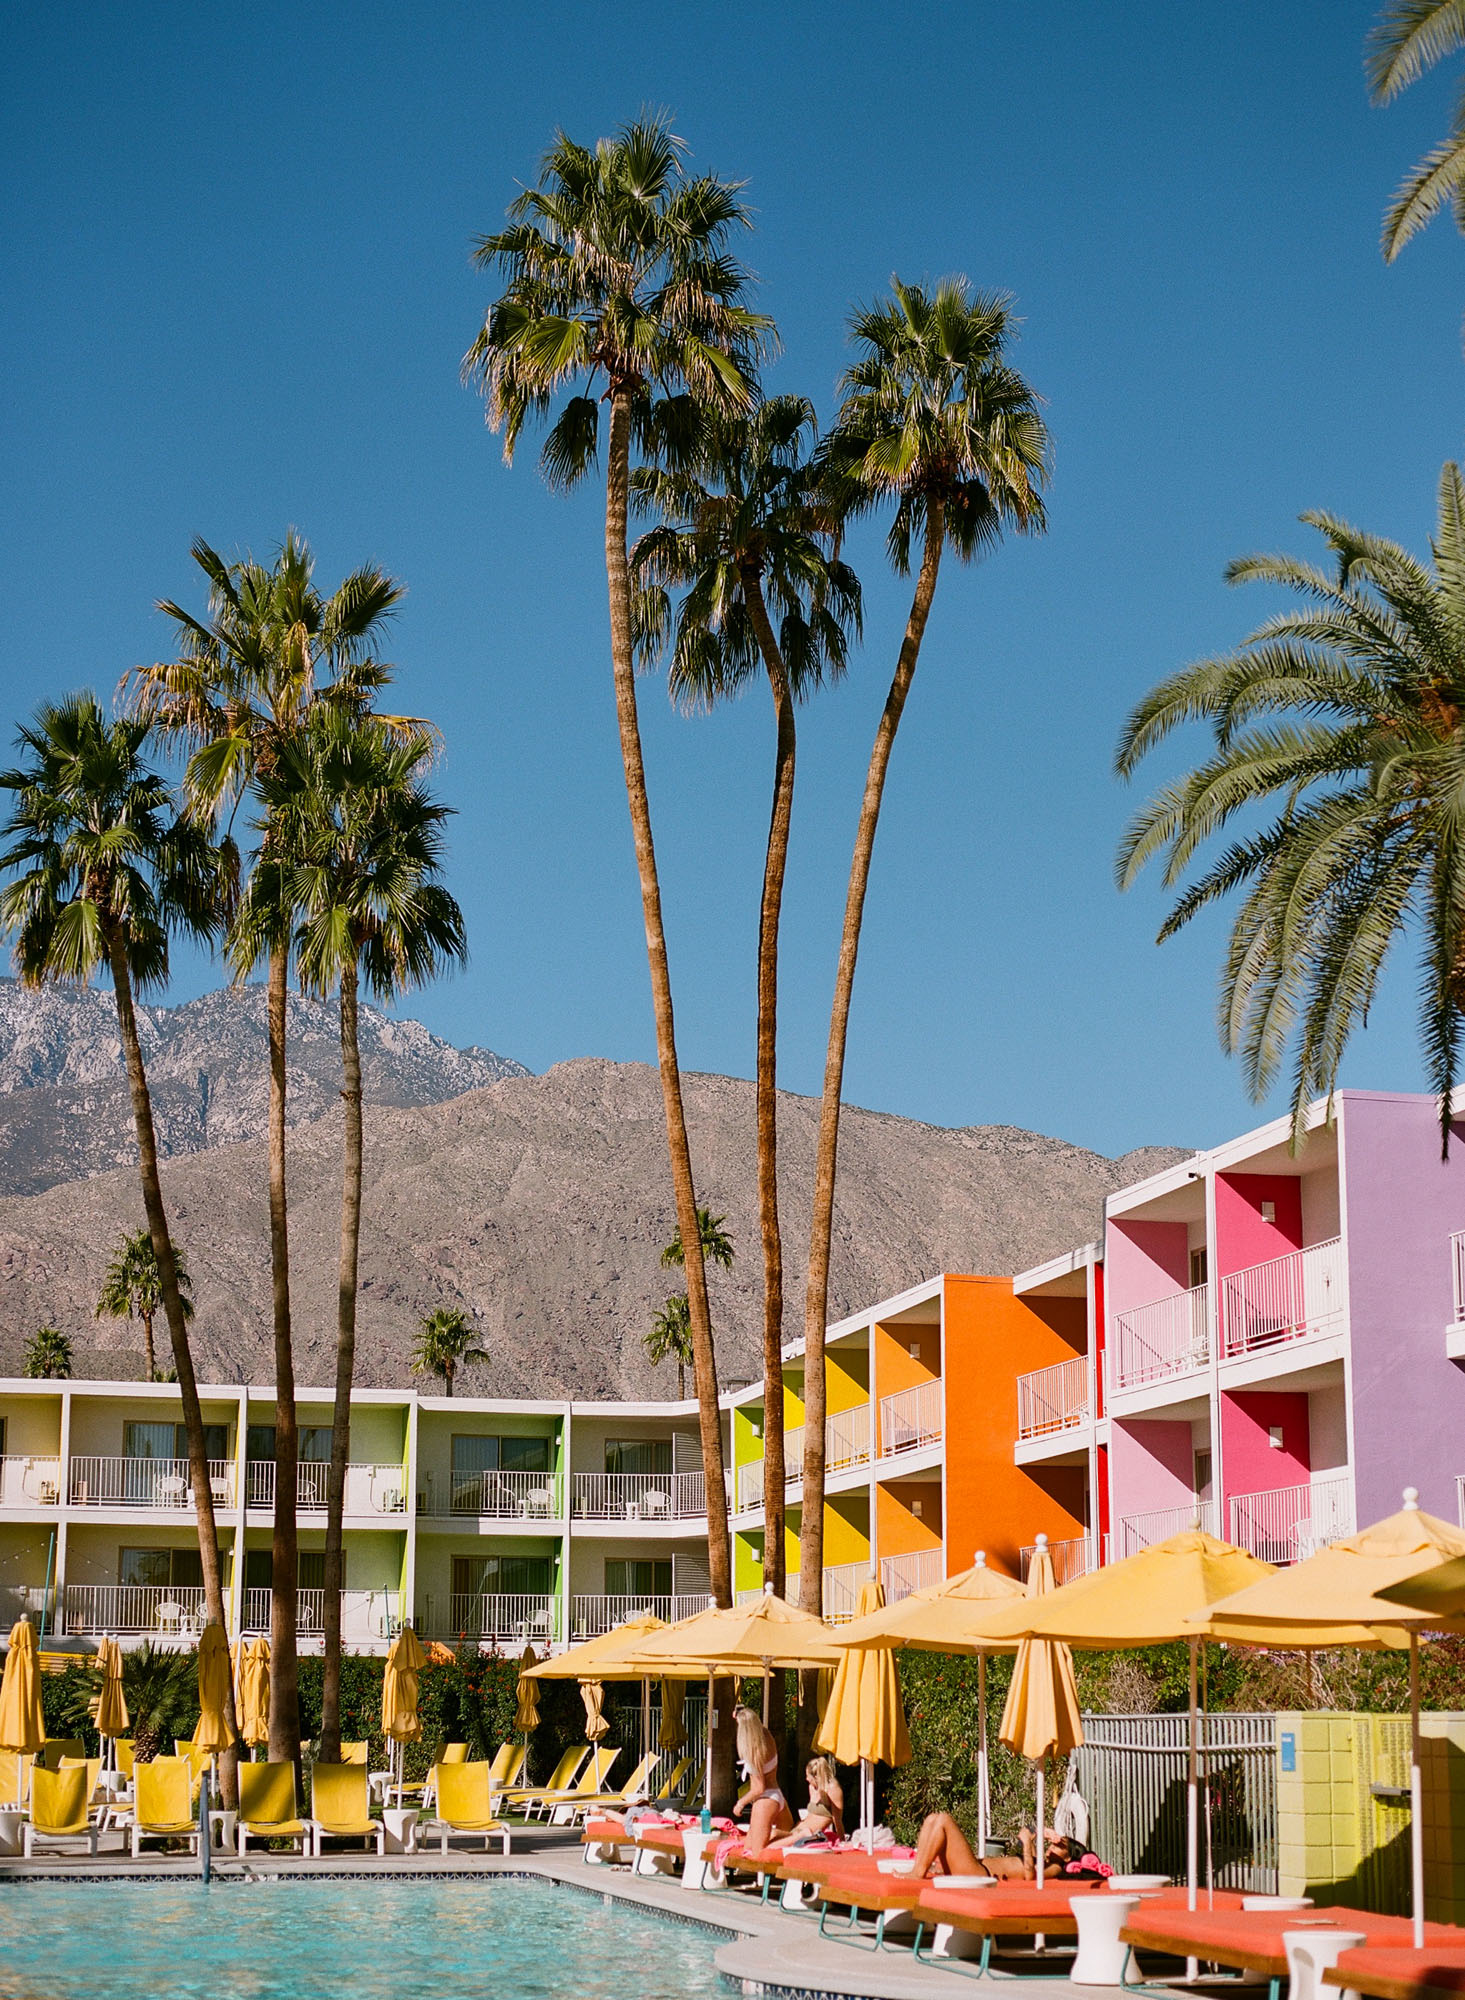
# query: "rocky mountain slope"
{"type": "Point", "coordinates": [540, 1204]}
{"type": "Point", "coordinates": [64, 1109]}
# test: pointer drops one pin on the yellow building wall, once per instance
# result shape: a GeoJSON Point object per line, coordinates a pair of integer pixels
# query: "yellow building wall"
{"type": "Point", "coordinates": [1343, 1811]}
{"type": "Point", "coordinates": [846, 1379]}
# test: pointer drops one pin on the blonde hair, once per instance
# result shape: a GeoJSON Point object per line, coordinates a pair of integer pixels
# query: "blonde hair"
{"type": "Point", "coordinates": [821, 1775]}
{"type": "Point", "coordinates": [756, 1747]}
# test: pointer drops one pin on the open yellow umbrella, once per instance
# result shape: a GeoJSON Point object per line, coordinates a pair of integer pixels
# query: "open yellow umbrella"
{"type": "Point", "coordinates": [111, 1717]}
{"type": "Point", "coordinates": [21, 1726]}
{"type": "Point", "coordinates": [937, 1619]}
{"type": "Point", "coordinates": [593, 1696]}
{"type": "Point", "coordinates": [526, 1711]}
{"type": "Point", "coordinates": [1347, 1595]}
{"type": "Point", "coordinates": [605, 1658]}
{"type": "Point", "coordinates": [1041, 1718]}
{"type": "Point", "coordinates": [864, 1723]}
{"type": "Point", "coordinates": [254, 1691]}
{"type": "Point", "coordinates": [214, 1732]}
{"type": "Point", "coordinates": [400, 1720]}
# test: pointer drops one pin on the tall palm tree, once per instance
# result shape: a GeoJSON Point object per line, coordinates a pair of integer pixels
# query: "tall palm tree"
{"type": "Point", "coordinates": [446, 1342]}
{"type": "Point", "coordinates": [1410, 37]}
{"type": "Point", "coordinates": [618, 281]}
{"type": "Point", "coordinates": [934, 419]}
{"type": "Point", "coordinates": [133, 1289]}
{"type": "Point", "coordinates": [102, 872]}
{"type": "Point", "coordinates": [237, 691]}
{"type": "Point", "coordinates": [744, 527]}
{"type": "Point", "coordinates": [47, 1356]}
{"type": "Point", "coordinates": [349, 807]}
{"type": "Point", "coordinates": [1345, 716]}
{"type": "Point", "coordinates": [717, 1245]}
{"type": "Point", "coordinates": [669, 1338]}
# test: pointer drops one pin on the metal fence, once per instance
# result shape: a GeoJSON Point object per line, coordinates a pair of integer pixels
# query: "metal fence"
{"type": "Point", "coordinates": [1132, 1771]}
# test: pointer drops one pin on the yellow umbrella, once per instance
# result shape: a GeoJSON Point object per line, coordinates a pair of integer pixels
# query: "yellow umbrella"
{"type": "Point", "coordinates": [1041, 1719]}
{"type": "Point", "coordinates": [526, 1713]}
{"type": "Point", "coordinates": [604, 1658]}
{"type": "Point", "coordinates": [254, 1691]}
{"type": "Point", "coordinates": [214, 1732]}
{"type": "Point", "coordinates": [111, 1718]}
{"type": "Point", "coordinates": [21, 1726]}
{"type": "Point", "coordinates": [400, 1720]}
{"type": "Point", "coordinates": [1347, 1595]}
{"type": "Point", "coordinates": [865, 1722]}
{"type": "Point", "coordinates": [593, 1696]}
{"type": "Point", "coordinates": [673, 1716]}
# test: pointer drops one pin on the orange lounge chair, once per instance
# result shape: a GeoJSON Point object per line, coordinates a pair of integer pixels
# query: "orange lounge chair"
{"type": "Point", "coordinates": [1251, 1940]}
{"type": "Point", "coordinates": [1398, 1972]}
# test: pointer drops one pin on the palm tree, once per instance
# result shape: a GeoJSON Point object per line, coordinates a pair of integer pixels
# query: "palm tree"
{"type": "Point", "coordinates": [743, 525]}
{"type": "Point", "coordinates": [933, 418]}
{"type": "Point", "coordinates": [669, 1337]}
{"type": "Point", "coordinates": [238, 690]}
{"type": "Point", "coordinates": [362, 833]}
{"type": "Point", "coordinates": [717, 1245]}
{"type": "Point", "coordinates": [47, 1356]}
{"type": "Point", "coordinates": [445, 1343]}
{"type": "Point", "coordinates": [1342, 715]}
{"type": "Point", "coordinates": [133, 1289]}
{"type": "Point", "coordinates": [103, 870]}
{"type": "Point", "coordinates": [618, 280]}
{"type": "Point", "coordinates": [1410, 37]}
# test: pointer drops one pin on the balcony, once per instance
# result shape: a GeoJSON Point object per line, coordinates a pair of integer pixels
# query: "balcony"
{"type": "Point", "coordinates": [29, 1482]}
{"type": "Point", "coordinates": [160, 1484]}
{"type": "Point", "coordinates": [591, 1616]}
{"type": "Point", "coordinates": [901, 1575]}
{"type": "Point", "coordinates": [370, 1489]}
{"type": "Point", "coordinates": [1289, 1523]}
{"type": "Point", "coordinates": [846, 1443]}
{"type": "Point", "coordinates": [640, 1496]}
{"type": "Point", "coordinates": [750, 1485]}
{"type": "Point", "coordinates": [1141, 1531]}
{"type": "Point", "coordinates": [1288, 1298]}
{"type": "Point", "coordinates": [496, 1617]}
{"type": "Point", "coordinates": [500, 1496]}
{"type": "Point", "coordinates": [366, 1615]}
{"type": "Point", "coordinates": [157, 1609]}
{"type": "Point", "coordinates": [910, 1419]}
{"type": "Point", "coordinates": [842, 1585]}
{"type": "Point", "coordinates": [1053, 1399]}
{"type": "Point", "coordinates": [1070, 1558]}
{"type": "Point", "coordinates": [1169, 1337]}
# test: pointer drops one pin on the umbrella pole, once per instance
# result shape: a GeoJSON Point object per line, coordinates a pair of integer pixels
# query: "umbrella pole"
{"type": "Point", "coordinates": [765, 1694]}
{"type": "Point", "coordinates": [984, 1798]}
{"type": "Point", "coordinates": [1042, 1844]}
{"type": "Point", "coordinates": [1416, 1796]}
{"type": "Point", "coordinates": [711, 1719]}
{"type": "Point", "coordinates": [645, 1717]}
{"type": "Point", "coordinates": [1192, 1823]}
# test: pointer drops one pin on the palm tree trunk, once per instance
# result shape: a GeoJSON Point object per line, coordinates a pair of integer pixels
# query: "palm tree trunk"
{"type": "Point", "coordinates": [285, 1549]}
{"type": "Point", "coordinates": [704, 1359]}
{"type": "Point", "coordinates": [162, 1242]}
{"type": "Point", "coordinates": [774, 865]}
{"type": "Point", "coordinates": [816, 1298]}
{"type": "Point", "coordinates": [447, 1378]}
{"type": "Point", "coordinates": [149, 1360]}
{"type": "Point", "coordinates": [681, 1382]}
{"type": "Point", "coordinates": [330, 1701]}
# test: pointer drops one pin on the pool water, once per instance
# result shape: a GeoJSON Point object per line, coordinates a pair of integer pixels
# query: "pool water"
{"type": "Point", "coordinates": [360, 1940]}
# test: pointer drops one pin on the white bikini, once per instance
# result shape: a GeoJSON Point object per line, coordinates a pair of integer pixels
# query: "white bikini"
{"type": "Point", "coordinates": [769, 1791]}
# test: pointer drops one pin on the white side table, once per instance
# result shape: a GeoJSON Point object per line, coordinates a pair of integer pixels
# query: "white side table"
{"type": "Point", "coordinates": [223, 1824]}
{"type": "Point", "coordinates": [12, 1819]}
{"type": "Point", "coordinates": [695, 1869]}
{"type": "Point", "coordinates": [1310, 1953]}
{"type": "Point", "coordinates": [399, 1827]}
{"type": "Point", "coordinates": [1100, 1918]}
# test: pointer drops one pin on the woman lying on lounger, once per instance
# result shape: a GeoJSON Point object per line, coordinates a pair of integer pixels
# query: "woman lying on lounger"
{"type": "Point", "coordinates": [943, 1849]}
{"type": "Point", "coordinates": [824, 1814]}
{"type": "Point", "coordinates": [763, 1802]}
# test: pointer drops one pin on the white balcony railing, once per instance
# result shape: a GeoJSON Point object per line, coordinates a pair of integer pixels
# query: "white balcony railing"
{"type": "Point", "coordinates": [846, 1443]}
{"type": "Point", "coordinates": [28, 1600]}
{"type": "Point", "coordinates": [640, 1496]}
{"type": "Point", "coordinates": [1168, 1337]}
{"type": "Point", "coordinates": [1286, 1524]}
{"type": "Point", "coordinates": [370, 1489]}
{"type": "Point", "coordinates": [29, 1482]}
{"type": "Point", "coordinates": [901, 1575]}
{"type": "Point", "coordinates": [911, 1418]}
{"type": "Point", "coordinates": [505, 1496]}
{"type": "Point", "coordinates": [366, 1615]}
{"type": "Point", "coordinates": [157, 1609]}
{"type": "Point", "coordinates": [842, 1584]}
{"type": "Point", "coordinates": [1285, 1299]}
{"type": "Point", "coordinates": [1075, 1557]}
{"type": "Point", "coordinates": [591, 1616]}
{"type": "Point", "coordinates": [1053, 1399]}
{"type": "Point", "coordinates": [497, 1616]}
{"type": "Point", "coordinates": [750, 1485]}
{"type": "Point", "coordinates": [146, 1482]}
{"type": "Point", "coordinates": [1141, 1531]}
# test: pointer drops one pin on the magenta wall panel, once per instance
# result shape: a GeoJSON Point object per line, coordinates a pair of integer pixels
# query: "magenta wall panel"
{"type": "Point", "coordinates": [1242, 1237]}
{"type": "Point", "coordinates": [1250, 1462]}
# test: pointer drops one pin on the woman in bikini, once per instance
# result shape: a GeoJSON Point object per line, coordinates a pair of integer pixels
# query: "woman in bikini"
{"type": "Point", "coordinates": [764, 1803]}
{"type": "Point", "coordinates": [824, 1814]}
{"type": "Point", "coordinates": [943, 1849]}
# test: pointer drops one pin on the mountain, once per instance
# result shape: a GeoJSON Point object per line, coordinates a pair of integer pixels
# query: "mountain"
{"type": "Point", "coordinates": [64, 1108]}
{"type": "Point", "coordinates": [540, 1204]}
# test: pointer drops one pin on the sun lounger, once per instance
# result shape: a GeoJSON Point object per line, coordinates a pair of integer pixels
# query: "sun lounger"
{"type": "Point", "coordinates": [559, 1808]}
{"type": "Point", "coordinates": [354, 1753]}
{"type": "Point", "coordinates": [465, 1806]}
{"type": "Point", "coordinates": [1008, 1909]}
{"type": "Point", "coordinates": [59, 1809]}
{"type": "Point", "coordinates": [56, 1747]}
{"type": "Point", "coordinates": [162, 1804]}
{"type": "Point", "coordinates": [1251, 1940]}
{"type": "Point", "coordinates": [636, 1791]}
{"type": "Point", "coordinates": [673, 1783]}
{"type": "Point", "coordinates": [564, 1775]}
{"type": "Point", "coordinates": [338, 1807]}
{"type": "Point", "coordinates": [1398, 1972]}
{"type": "Point", "coordinates": [268, 1809]}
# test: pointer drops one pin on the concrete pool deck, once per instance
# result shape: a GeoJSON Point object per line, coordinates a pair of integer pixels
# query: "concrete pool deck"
{"type": "Point", "coordinates": [764, 1951]}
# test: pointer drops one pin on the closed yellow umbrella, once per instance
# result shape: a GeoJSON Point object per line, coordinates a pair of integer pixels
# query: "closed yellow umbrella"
{"type": "Point", "coordinates": [593, 1696]}
{"type": "Point", "coordinates": [673, 1732]}
{"type": "Point", "coordinates": [214, 1732]}
{"type": "Point", "coordinates": [401, 1723]}
{"type": "Point", "coordinates": [1041, 1718]}
{"type": "Point", "coordinates": [112, 1718]}
{"type": "Point", "coordinates": [254, 1691]}
{"type": "Point", "coordinates": [526, 1712]}
{"type": "Point", "coordinates": [21, 1726]}
{"type": "Point", "coordinates": [864, 1723]}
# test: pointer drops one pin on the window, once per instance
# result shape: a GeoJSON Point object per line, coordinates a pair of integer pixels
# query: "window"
{"type": "Point", "coordinates": [148, 1441]}
{"type": "Point", "coordinates": [315, 1444]}
{"type": "Point", "coordinates": [472, 1455]}
{"type": "Point", "coordinates": [638, 1455]}
{"type": "Point", "coordinates": [1197, 1268]}
{"type": "Point", "coordinates": [637, 1578]}
{"type": "Point", "coordinates": [160, 1569]}
{"type": "Point", "coordinates": [259, 1569]}
{"type": "Point", "coordinates": [1203, 1477]}
{"type": "Point", "coordinates": [508, 1576]}
{"type": "Point", "coordinates": [259, 1444]}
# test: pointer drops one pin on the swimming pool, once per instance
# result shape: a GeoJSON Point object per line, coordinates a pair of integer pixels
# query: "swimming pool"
{"type": "Point", "coordinates": [364, 1939]}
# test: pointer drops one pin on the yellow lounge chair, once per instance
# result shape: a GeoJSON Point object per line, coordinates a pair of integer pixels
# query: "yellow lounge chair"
{"type": "Point", "coordinates": [465, 1805]}
{"type": "Point", "coordinates": [636, 1788]}
{"type": "Point", "coordinates": [505, 1771]}
{"type": "Point", "coordinates": [198, 1761]}
{"type": "Point", "coordinates": [674, 1781]}
{"type": "Point", "coordinates": [338, 1807]}
{"type": "Point", "coordinates": [267, 1805]}
{"type": "Point", "coordinates": [126, 1761]}
{"type": "Point", "coordinates": [561, 1778]}
{"type": "Point", "coordinates": [59, 1809]}
{"type": "Point", "coordinates": [56, 1747]}
{"type": "Point", "coordinates": [354, 1753]}
{"type": "Point", "coordinates": [561, 1811]}
{"type": "Point", "coordinates": [425, 1789]}
{"type": "Point", "coordinates": [162, 1803]}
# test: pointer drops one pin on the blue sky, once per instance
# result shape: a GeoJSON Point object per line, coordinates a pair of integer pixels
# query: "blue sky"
{"type": "Point", "coordinates": [237, 291]}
